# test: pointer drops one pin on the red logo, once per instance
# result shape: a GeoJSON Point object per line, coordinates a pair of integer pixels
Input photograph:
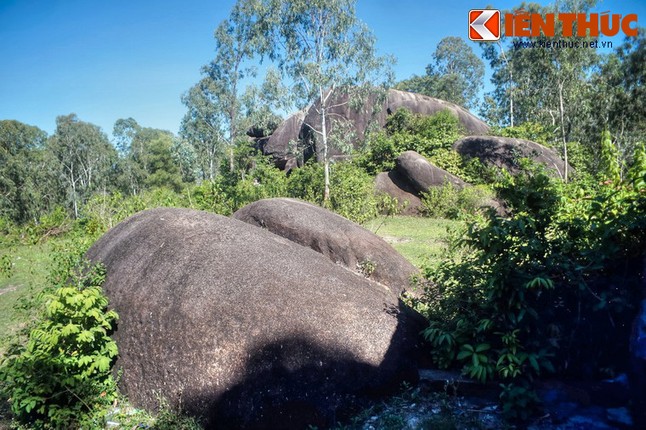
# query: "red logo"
{"type": "Point", "coordinates": [484, 25]}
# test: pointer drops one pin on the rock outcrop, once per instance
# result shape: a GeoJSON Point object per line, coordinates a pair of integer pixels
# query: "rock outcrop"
{"type": "Point", "coordinates": [339, 239]}
{"type": "Point", "coordinates": [353, 121]}
{"type": "Point", "coordinates": [278, 144]}
{"type": "Point", "coordinates": [245, 328]}
{"type": "Point", "coordinates": [413, 176]}
{"type": "Point", "coordinates": [505, 152]}
{"type": "Point", "coordinates": [422, 175]}
{"type": "Point", "coordinates": [397, 187]}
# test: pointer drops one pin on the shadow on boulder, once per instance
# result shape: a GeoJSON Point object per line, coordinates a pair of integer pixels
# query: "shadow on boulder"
{"type": "Point", "coordinates": [283, 388]}
{"type": "Point", "coordinates": [244, 328]}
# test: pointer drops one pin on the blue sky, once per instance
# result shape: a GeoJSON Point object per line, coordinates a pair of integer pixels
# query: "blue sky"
{"type": "Point", "coordinates": [111, 59]}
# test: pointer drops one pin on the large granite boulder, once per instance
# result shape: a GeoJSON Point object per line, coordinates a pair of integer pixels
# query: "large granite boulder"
{"type": "Point", "coordinates": [244, 328]}
{"type": "Point", "coordinates": [422, 175]}
{"type": "Point", "coordinates": [278, 144]}
{"type": "Point", "coordinates": [505, 152]}
{"type": "Point", "coordinates": [352, 121]}
{"type": "Point", "coordinates": [397, 187]}
{"type": "Point", "coordinates": [425, 105]}
{"type": "Point", "coordinates": [339, 239]}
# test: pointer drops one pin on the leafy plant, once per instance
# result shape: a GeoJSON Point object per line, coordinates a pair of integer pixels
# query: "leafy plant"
{"type": "Point", "coordinates": [352, 193]}
{"type": "Point", "coordinates": [61, 377]}
{"type": "Point", "coordinates": [427, 135]}
{"type": "Point", "coordinates": [510, 302]}
{"type": "Point", "coordinates": [452, 203]}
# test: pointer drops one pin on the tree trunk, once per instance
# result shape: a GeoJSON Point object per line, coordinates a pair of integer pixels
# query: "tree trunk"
{"type": "Point", "coordinates": [562, 114]}
{"type": "Point", "coordinates": [326, 160]}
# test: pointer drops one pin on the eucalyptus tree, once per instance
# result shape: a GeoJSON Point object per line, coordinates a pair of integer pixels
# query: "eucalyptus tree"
{"type": "Point", "coordinates": [26, 178]}
{"type": "Point", "coordinates": [324, 49]}
{"type": "Point", "coordinates": [619, 98]}
{"type": "Point", "coordinates": [202, 127]}
{"type": "Point", "coordinates": [455, 75]}
{"type": "Point", "coordinates": [85, 158]}
{"type": "Point", "coordinates": [262, 104]}
{"type": "Point", "coordinates": [548, 85]}
{"type": "Point", "coordinates": [149, 157]}
{"type": "Point", "coordinates": [214, 121]}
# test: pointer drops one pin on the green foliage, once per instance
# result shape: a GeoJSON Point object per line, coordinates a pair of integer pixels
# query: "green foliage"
{"type": "Point", "coordinates": [212, 196]}
{"type": "Point", "coordinates": [352, 193]}
{"type": "Point", "coordinates": [528, 130]}
{"type": "Point", "coordinates": [519, 401]}
{"type": "Point", "coordinates": [61, 377]}
{"type": "Point", "coordinates": [256, 178]}
{"type": "Point", "coordinates": [352, 190]}
{"type": "Point", "coordinates": [431, 136]}
{"type": "Point", "coordinates": [449, 202]}
{"type": "Point", "coordinates": [26, 175]}
{"type": "Point", "coordinates": [379, 153]}
{"type": "Point", "coordinates": [637, 171]}
{"type": "Point", "coordinates": [610, 169]}
{"type": "Point", "coordinates": [422, 133]}
{"type": "Point", "coordinates": [510, 301]}
{"type": "Point", "coordinates": [306, 183]}
{"type": "Point", "coordinates": [104, 211]}
{"type": "Point", "coordinates": [450, 161]}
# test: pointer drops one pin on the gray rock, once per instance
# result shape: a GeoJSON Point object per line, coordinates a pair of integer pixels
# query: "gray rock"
{"type": "Point", "coordinates": [505, 152]}
{"type": "Point", "coordinates": [278, 144]}
{"type": "Point", "coordinates": [354, 121]}
{"type": "Point", "coordinates": [339, 239]}
{"type": "Point", "coordinates": [422, 174]}
{"type": "Point", "coordinates": [394, 185]}
{"type": "Point", "coordinates": [244, 328]}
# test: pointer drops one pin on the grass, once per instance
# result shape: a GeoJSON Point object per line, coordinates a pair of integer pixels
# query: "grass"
{"type": "Point", "coordinates": [423, 241]}
{"type": "Point", "coordinates": [27, 276]}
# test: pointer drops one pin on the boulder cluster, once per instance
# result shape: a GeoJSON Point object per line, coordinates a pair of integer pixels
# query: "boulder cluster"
{"type": "Point", "coordinates": [269, 319]}
{"type": "Point", "coordinates": [297, 129]}
{"type": "Point", "coordinates": [414, 175]}
{"type": "Point", "coordinates": [284, 315]}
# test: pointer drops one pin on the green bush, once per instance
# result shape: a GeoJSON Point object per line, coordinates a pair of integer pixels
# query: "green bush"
{"type": "Point", "coordinates": [509, 303]}
{"type": "Point", "coordinates": [104, 211]}
{"type": "Point", "coordinates": [307, 183]}
{"type": "Point", "coordinates": [406, 131]}
{"type": "Point", "coordinates": [379, 153]}
{"type": "Point", "coordinates": [61, 377]}
{"type": "Point", "coordinates": [452, 203]}
{"type": "Point", "coordinates": [212, 196]}
{"type": "Point", "coordinates": [529, 131]}
{"type": "Point", "coordinates": [352, 193]}
{"type": "Point", "coordinates": [430, 132]}
{"type": "Point", "coordinates": [262, 180]}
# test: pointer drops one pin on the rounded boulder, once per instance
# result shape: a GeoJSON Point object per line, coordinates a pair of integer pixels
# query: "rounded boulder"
{"type": "Point", "coordinates": [399, 188]}
{"type": "Point", "coordinates": [423, 175]}
{"type": "Point", "coordinates": [340, 240]}
{"type": "Point", "coordinates": [505, 152]}
{"type": "Point", "coordinates": [244, 328]}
